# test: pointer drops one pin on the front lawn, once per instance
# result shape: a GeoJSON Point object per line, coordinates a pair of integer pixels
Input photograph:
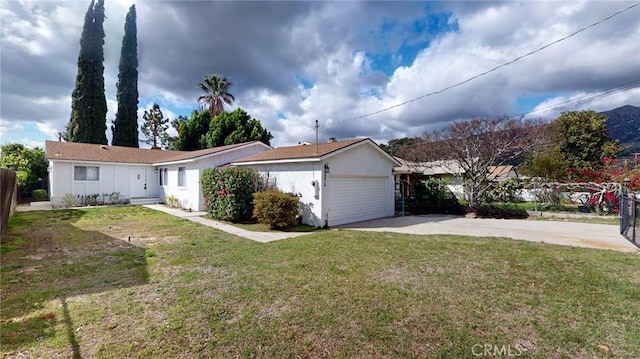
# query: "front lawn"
{"type": "Point", "coordinates": [132, 282]}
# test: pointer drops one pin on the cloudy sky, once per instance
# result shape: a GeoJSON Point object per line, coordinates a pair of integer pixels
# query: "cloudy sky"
{"type": "Point", "coordinates": [292, 63]}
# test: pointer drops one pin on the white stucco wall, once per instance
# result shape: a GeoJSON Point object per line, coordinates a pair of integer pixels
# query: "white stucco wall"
{"type": "Point", "coordinates": [190, 196]}
{"type": "Point", "coordinates": [298, 178]}
{"type": "Point", "coordinates": [113, 177]}
{"type": "Point", "coordinates": [360, 162]}
{"type": "Point", "coordinates": [363, 161]}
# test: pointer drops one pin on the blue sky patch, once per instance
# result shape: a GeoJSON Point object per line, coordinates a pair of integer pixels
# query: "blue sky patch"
{"type": "Point", "coordinates": [403, 42]}
{"type": "Point", "coordinates": [305, 82]}
{"type": "Point", "coordinates": [525, 104]}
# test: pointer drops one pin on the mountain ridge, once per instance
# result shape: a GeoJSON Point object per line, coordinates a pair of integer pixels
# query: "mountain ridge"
{"type": "Point", "coordinates": [624, 125]}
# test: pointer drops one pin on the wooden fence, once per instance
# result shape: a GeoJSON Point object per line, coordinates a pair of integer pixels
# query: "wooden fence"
{"type": "Point", "coordinates": [8, 196]}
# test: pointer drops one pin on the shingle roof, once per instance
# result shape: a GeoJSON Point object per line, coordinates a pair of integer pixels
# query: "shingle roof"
{"type": "Point", "coordinates": [73, 151]}
{"type": "Point", "coordinates": [499, 172]}
{"type": "Point", "coordinates": [304, 151]}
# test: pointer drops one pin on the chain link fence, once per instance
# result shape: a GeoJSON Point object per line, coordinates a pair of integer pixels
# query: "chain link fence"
{"type": "Point", "coordinates": [629, 213]}
{"type": "Point", "coordinates": [601, 199]}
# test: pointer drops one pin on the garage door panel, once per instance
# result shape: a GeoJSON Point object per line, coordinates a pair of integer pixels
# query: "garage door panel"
{"type": "Point", "coordinates": [358, 199]}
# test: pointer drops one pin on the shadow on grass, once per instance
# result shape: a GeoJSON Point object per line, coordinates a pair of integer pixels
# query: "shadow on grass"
{"type": "Point", "coordinates": [47, 257]}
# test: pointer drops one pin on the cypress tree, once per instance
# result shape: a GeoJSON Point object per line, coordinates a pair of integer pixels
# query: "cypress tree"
{"type": "Point", "coordinates": [88, 102]}
{"type": "Point", "coordinates": [125, 127]}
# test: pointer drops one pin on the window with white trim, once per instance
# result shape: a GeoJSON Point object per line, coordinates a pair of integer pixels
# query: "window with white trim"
{"type": "Point", "coordinates": [163, 175]}
{"type": "Point", "coordinates": [181, 176]}
{"type": "Point", "coordinates": [86, 173]}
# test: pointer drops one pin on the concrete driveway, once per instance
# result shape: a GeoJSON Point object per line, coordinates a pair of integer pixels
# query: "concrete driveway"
{"type": "Point", "coordinates": [601, 236]}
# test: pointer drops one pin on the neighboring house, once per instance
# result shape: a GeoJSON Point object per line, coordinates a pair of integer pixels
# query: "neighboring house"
{"type": "Point", "coordinates": [502, 173]}
{"type": "Point", "coordinates": [83, 169]}
{"type": "Point", "coordinates": [450, 171]}
{"type": "Point", "coordinates": [337, 182]}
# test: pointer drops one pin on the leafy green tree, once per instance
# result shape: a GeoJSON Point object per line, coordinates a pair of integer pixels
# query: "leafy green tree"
{"type": "Point", "coordinates": [583, 138]}
{"type": "Point", "coordinates": [547, 162]}
{"type": "Point", "coordinates": [202, 131]}
{"type": "Point", "coordinates": [236, 127]}
{"type": "Point", "coordinates": [217, 94]}
{"type": "Point", "coordinates": [177, 124]}
{"type": "Point", "coordinates": [29, 164]}
{"type": "Point", "coordinates": [88, 102]}
{"type": "Point", "coordinates": [155, 127]}
{"type": "Point", "coordinates": [192, 134]}
{"type": "Point", "coordinates": [395, 144]}
{"type": "Point", "coordinates": [550, 164]}
{"type": "Point", "coordinates": [125, 126]}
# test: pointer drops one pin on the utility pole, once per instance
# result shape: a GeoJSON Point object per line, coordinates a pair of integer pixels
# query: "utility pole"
{"type": "Point", "coordinates": [316, 137]}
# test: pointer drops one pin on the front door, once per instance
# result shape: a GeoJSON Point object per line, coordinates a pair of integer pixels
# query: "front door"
{"type": "Point", "coordinates": [138, 182]}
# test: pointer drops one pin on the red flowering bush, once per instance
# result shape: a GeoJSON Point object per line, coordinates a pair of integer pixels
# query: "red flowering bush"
{"type": "Point", "coordinates": [607, 202]}
{"type": "Point", "coordinates": [228, 192]}
{"type": "Point", "coordinates": [612, 171]}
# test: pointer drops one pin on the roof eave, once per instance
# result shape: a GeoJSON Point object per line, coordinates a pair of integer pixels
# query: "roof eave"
{"type": "Point", "coordinates": [361, 143]}
{"type": "Point", "coordinates": [288, 160]}
{"type": "Point", "coordinates": [102, 162]}
{"type": "Point", "coordinates": [196, 158]}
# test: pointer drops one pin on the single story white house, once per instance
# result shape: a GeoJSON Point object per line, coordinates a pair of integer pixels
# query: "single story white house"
{"type": "Point", "coordinates": [82, 169]}
{"type": "Point", "coordinates": [337, 182]}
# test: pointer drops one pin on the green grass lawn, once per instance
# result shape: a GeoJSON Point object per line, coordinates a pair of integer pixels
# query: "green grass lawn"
{"type": "Point", "coordinates": [132, 282]}
{"type": "Point", "coordinates": [613, 220]}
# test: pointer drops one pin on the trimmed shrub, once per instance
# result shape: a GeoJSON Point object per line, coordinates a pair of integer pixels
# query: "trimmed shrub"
{"type": "Point", "coordinates": [228, 192]}
{"type": "Point", "coordinates": [172, 201]}
{"type": "Point", "coordinates": [506, 191]}
{"type": "Point", "coordinates": [40, 194]}
{"type": "Point", "coordinates": [277, 209]}
{"type": "Point", "coordinates": [492, 211]}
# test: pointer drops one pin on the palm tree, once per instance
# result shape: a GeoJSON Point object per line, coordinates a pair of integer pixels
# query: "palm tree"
{"type": "Point", "coordinates": [217, 89]}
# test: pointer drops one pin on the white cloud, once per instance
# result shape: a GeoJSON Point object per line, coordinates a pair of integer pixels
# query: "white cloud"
{"type": "Point", "coordinates": [598, 101]}
{"type": "Point", "coordinates": [334, 46]}
{"type": "Point", "coordinates": [7, 128]}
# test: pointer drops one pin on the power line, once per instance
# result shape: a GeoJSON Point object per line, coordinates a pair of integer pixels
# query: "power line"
{"type": "Point", "coordinates": [489, 71]}
{"type": "Point", "coordinates": [581, 100]}
{"type": "Point", "coordinates": [569, 103]}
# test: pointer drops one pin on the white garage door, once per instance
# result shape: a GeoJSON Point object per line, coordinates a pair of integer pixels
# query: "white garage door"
{"type": "Point", "coordinates": [356, 199]}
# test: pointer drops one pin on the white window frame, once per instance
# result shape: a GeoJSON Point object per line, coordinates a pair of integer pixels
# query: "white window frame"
{"type": "Point", "coordinates": [163, 176]}
{"type": "Point", "coordinates": [86, 173]}
{"type": "Point", "coordinates": [182, 177]}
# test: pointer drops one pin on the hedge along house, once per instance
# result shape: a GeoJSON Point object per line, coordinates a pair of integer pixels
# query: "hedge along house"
{"type": "Point", "coordinates": [337, 182]}
{"type": "Point", "coordinates": [141, 175]}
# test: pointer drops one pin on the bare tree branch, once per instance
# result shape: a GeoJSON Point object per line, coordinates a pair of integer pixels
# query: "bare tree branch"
{"type": "Point", "coordinates": [470, 147]}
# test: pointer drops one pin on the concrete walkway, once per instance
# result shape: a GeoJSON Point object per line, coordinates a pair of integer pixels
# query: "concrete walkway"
{"type": "Point", "coordinates": [601, 236]}
{"type": "Point", "coordinates": [263, 237]}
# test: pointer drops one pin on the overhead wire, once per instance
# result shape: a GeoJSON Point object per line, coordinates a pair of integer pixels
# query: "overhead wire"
{"type": "Point", "coordinates": [485, 72]}
{"type": "Point", "coordinates": [571, 103]}
{"type": "Point", "coordinates": [566, 104]}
